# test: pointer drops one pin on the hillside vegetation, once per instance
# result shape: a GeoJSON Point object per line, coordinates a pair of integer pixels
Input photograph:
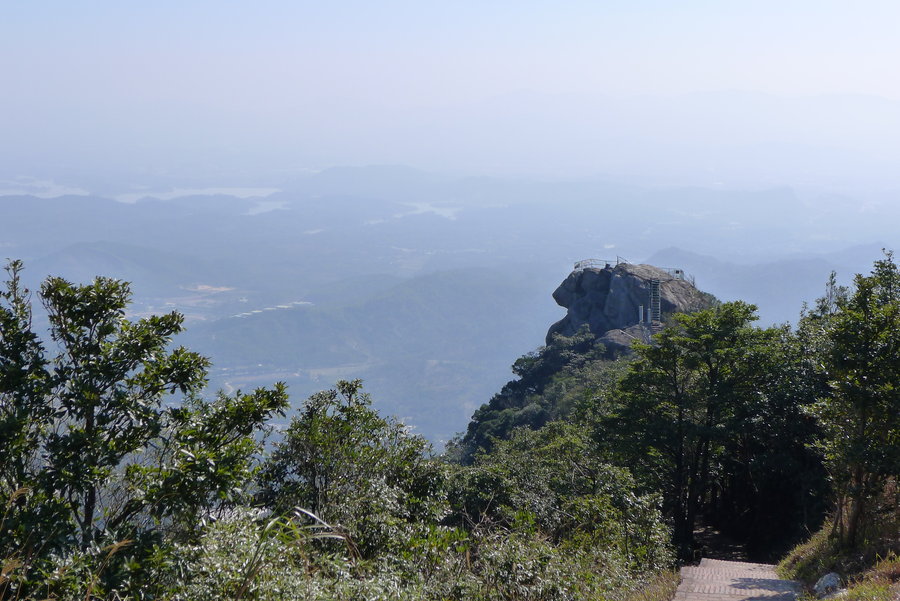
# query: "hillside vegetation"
{"type": "Point", "coordinates": [584, 478]}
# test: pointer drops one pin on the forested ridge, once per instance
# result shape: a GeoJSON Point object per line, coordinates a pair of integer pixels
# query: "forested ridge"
{"type": "Point", "coordinates": [583, 478]}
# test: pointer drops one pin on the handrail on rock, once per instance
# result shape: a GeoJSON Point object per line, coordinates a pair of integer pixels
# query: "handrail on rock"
{"type": "Point", "coordinates": [598, 263]}
{"type": "Point", "coordinates": [674, 272]}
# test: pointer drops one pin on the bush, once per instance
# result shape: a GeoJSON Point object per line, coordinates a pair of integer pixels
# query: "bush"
{"type": "Point", "coordinates": [555, 478]}
{"type": "Point", "coordinates": [355, 469]}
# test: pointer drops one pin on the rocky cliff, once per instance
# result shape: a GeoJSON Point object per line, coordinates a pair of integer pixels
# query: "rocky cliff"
{"type": "Point", "coordinates": [609, 301]}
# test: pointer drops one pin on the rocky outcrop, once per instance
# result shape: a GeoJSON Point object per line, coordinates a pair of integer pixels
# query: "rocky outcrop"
{"type": "Point", "coordinates": [609, 301]}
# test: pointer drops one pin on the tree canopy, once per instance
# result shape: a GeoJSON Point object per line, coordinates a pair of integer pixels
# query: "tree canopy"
{"type": "Point", "coordinates": [119, 479]}
{"type": "Point", "coordinates": [859, 343]}
{"type": "Point", "coordinates": [91, 454]}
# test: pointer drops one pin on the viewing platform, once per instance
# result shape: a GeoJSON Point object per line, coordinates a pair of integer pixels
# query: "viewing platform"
{"type": "Point", "coordinates": [598, 263]}
{"type": "Point", "coordinates": [674, 273]}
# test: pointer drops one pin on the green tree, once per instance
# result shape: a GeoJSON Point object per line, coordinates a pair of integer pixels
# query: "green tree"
{"type": "Point", "coordinates": [354, 469]}
{"type": "Point", "coordinates": [683, 399]}
{"type": "Point", "coordinates": [556, 477]}
{"type": "Point", "coordinates": [538, 395]}
{"type": "Point", "coordinates": [771, 488]}
{"type": "Point", "coordinates": [859, 351]}
{"type": "Point", "coordinates": [106, 386]}
{"type": "Point", "coordinates": [91, 456]}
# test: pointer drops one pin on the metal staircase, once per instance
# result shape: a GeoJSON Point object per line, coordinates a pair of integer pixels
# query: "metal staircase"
{"type": "Point", "coordinates": [655, 309]}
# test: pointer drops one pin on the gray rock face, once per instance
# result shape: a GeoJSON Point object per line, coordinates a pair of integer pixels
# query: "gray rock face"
{"type": "Point", "coordinates": [608, 300]}
{"type": "Point", "coordinates": [620, 339]}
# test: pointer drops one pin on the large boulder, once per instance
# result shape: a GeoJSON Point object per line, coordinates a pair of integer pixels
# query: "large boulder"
{"type": "Point", "coordinates": [827, 585]}
{"type": "Point", "coordinates": [609, 301]}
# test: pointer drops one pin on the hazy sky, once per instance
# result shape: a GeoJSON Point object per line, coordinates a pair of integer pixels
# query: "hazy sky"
{"type": "Point", "coordinates": [219, 86]}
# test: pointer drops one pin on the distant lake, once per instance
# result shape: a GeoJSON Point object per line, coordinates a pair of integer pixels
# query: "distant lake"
{"type": "Point", "coordinates": [173, 193]}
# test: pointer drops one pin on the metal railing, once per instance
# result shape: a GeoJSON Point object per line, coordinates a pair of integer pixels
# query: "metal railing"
{"type": "Point", "coordinates": [599, 263]}
{"type": "Point", "coordinates": [674, 272]}
{"type": "Point", "coordinates": [679, 274]}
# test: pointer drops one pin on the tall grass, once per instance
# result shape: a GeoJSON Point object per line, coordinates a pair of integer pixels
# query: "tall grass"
{"type": "Point", "coordinates": [870, 569]}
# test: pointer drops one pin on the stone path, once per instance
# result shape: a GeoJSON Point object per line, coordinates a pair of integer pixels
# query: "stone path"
{"type": "Point", "coordinates": [719, 580]}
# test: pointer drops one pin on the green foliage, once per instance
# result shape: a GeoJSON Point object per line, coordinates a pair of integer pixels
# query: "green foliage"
{"type": "Point", "coordinates": [550, 384]}
{"type": "Point", "coordinates": [812, 559]}
{"type": "Point", "coordinates": [95, 471]}
{"type": "Point", "coordinates": [860, 411]}
{"type": "Point", "coordinates": [879, 583]}
{"type": "Point", "coordinates": [368, 474]}
{"type": "Point", "coordinates": [120, 481]}
{"type": "Point", "coordinates": [676, 399]}
{"type": "Point", "coordinates": [702, 413]}
{"type": "Point", "coordinates": [872, 569]}
{"type": "Point", "coordinates": [553, 482]}
{"type": "Point", "coordinates": [540, 517]}
{"type": "Point", "coordinates": [249, 557]}
{"type": "Point", "coordinates": [205, 457]}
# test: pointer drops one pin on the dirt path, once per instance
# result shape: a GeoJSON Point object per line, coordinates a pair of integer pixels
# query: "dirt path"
{"type": "Point", "coordinates": [719, 580]}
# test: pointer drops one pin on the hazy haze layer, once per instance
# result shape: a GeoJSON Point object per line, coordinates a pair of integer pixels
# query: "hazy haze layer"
{"type": "Point", "coordinates": [221, 93]}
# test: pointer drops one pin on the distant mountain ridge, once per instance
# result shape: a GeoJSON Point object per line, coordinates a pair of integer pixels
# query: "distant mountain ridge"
{"type": "Point", "coordinates": [394, 261]}
{"type": "Point", "coordinates": [778, 288]}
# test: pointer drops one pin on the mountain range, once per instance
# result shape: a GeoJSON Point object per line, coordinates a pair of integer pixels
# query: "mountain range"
{"type": "Point", "coordinates": [427, 286]}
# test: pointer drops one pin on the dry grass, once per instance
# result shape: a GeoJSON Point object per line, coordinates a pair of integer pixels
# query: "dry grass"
{"type": "Point", "coordinates": [823, 553]}
{"type": "Point", "coordinates": [871, 569]}
{"type": "Point", "coordinates": [660, 588]}
{"type": "Point", "coordinates": [881, 583]}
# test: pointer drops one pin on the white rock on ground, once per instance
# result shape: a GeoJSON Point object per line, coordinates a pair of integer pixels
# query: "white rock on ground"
{"type": "Point", "coordinates": [829, 583]}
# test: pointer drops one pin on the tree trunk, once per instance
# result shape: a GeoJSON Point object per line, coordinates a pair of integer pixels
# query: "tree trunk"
{"type": "Point", "coordinates": [856, 498]}
{"type": "Point", "coordinates": [853, 521]}
{"type": "Point", "coordinates": [90, 496]}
